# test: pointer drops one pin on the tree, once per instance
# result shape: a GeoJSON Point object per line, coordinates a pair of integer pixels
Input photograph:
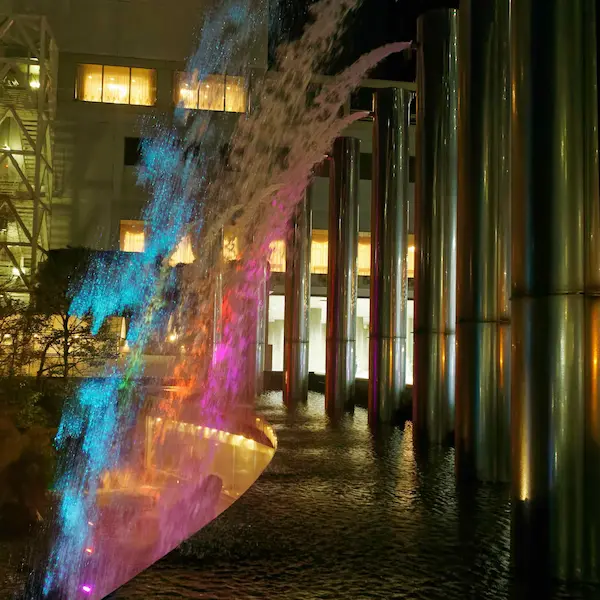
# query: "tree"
{"type": "Point", "coordinates": [18, 326]}
{"type": "Point", "coordinates": [66, 346]}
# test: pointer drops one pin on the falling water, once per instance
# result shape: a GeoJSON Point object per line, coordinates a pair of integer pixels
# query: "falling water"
{"type": "Point", "coordinates": [116, 430]}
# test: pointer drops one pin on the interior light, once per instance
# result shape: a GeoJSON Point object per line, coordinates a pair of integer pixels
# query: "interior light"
{"type": "Point", "coordinates": [89, 550]}
{"type": "Point", "coordinates": [207, 85]}
{"type": "Point", "coordinates": [86, 588]}
{"type": "Point", "coordinates": [411, 248]}
{"type": "Point", "coordinates": [35, 84]}
{"type": "Point", "coordinates": [172, 337]}
{"type": "Point", "coordinates": [15, 271]}
{"type": "Point", "coordinates": [133, 81]}
{"type": "Point", "coordinates": [89, 77]}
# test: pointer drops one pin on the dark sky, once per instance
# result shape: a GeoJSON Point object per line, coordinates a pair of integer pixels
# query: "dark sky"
{"type": "Point", "coordinates": [375, 23]}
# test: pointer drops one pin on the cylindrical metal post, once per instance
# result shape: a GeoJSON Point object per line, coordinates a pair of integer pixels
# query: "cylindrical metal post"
{"type": "Point", "coordinates": [389, 234]}
{"type": "Point", "coordinates": [555, 266]}
{"type": "Point", "coordinates": [297, 305]}
{"type": "Point", "coordinates": [261, 330]}
{"type": "Point", "coordinates": [483, 274]}
{"type": "Point", "coordinates": [342, 277]}
{"type": "Point", "coordinates": [435, 226]}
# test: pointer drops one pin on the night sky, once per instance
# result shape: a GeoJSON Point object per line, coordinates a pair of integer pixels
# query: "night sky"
{"type": "Point", "coordinates": [375, 23]}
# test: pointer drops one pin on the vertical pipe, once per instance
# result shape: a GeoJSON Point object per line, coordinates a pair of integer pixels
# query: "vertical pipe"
{"type": "Point", "coordinates": [554, 268]}
{"type": "Point", "coordinates": [261, 330]}
{"type": "Point", "coordinates": [218, 291]}
{"type": "Point", "coordinates": [435, 226]}
{"type": "Point", "coordinates": [342, 276]}
{"type": "Point", "coordinates": [483, 330]}
{"type": "Point", "coordinates": [389, 234]}
{"type": "Point", "coordinates": [297, 305]}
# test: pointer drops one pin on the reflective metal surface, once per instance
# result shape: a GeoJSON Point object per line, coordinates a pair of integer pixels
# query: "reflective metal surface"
{"type": "Point", "coordinates": [389, 234]}
{"type": "Point", "coordinates": [218, 291]}
{"type": "Point", "coordinates": [262, 299]}
{"type": "Point", "coordinates": [297, 304]}
{"type": "Point", "coordinates": [555, 282]}
{"type": "Point", "coordinates": [342, 278]}
{"type": "Point", "coordinates": [435, 226]}
{"type": "Point", "coordinates": [483, 223]}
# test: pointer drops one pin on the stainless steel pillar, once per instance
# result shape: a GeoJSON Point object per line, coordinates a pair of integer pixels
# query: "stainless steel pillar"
{"type": "Point", "coordinates": [219, 267]}
{"type": "Point", "coordinates": [483, 273]}
{"type": "Point", "coordinates": [297, 305]}
{"type": "Point", "coordinates": [342, 277]}
{"type": "Point", "coordinates": [435, 226]}
{"type": "Point", "coordinates": [389, 235]}
{"type": "Point", "coordinates": [555, 285]}
{"type": "Point", "coordinates": [261, 330]}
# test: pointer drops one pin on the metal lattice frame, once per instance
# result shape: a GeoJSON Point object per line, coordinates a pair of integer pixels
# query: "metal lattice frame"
{"type": "Point", "coordinates": [28, 69]}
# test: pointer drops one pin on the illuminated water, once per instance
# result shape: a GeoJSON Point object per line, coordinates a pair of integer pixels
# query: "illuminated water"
{"type": "Point", "coordinates": [341, 515]}
{"type": "Point", "coordinates": [105, 480]}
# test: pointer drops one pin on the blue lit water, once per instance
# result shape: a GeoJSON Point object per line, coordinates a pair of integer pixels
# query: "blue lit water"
{"type": "Point", "coordinates": [340, 514]}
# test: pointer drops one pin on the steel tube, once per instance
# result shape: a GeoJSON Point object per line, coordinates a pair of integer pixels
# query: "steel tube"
{"type": "Point", "coordinates": [261, 330]}
{"type": "Point", "coordinates": [483, 315]}
{"type": "Point", "coordinates": [435, 227]}
{"type": "Point", "coordinates": [342, 276]}
{"type": "Point", "coordinates": [555, 283]}
{"type": "Point", "coordinates": [389, 235]}
{"type": "Point", "coordinates": [297, 305]}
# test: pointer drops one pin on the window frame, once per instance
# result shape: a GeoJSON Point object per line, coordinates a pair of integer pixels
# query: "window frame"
{"type": "Point", "coordinates": [180, 76]}
{"type": "Point", "coordinates": [78, 84]}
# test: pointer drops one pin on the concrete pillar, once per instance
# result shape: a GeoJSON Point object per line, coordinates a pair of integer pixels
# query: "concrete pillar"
{"type": "Point", "coordinates": [435, 227]}
{"type": "Point", "coordinates": [389, 235]}
{"type": "Point", "coordinates": [297, 305]}
{"type": "Point", "coordinates": [483, 250]}
{"type": "Point", "coordinates": [342, 276]}
{"type": "Point", "coordinates": [555, 287]}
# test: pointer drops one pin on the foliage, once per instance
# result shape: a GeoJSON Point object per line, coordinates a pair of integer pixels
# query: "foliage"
{"type": "Point", "coordinates": [66, 345]}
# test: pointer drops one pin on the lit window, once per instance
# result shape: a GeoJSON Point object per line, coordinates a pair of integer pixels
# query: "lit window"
{"type": "Point", "coordinates": [183, 254]}
{"type": "Point", "coordinates": [318, 252]}
{"type": "Point", "coordinates": [89, 83]}
{"type": "Point", "coordinates": [143, 87]}
{"type": "Point", "coordinates": [116, 85]}
{"type": "Point", "coordinates": [186, 90]}
{"type": "Point", "coordinates": [235, 94]}
{"type": "Point", "coordinates": [213, 92]}
{"type": "Point", "coordinates": [364, 254]}
{"type": "Point", "coordinates": [132, 236]}
{"type": "Point", "coordinates": [277, 258]}
{"type": "Point", "coordinates": [230, 246]}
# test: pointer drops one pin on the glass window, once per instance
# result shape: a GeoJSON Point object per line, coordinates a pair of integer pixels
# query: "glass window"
{"type": "Point", "coordinates": [89, 83]}
{"type": "Point", "coordinates": [132, 236]}
{"type": "Point", "coordinates": [277, 258]}
{"type": "Point", "coordinates": [318, 252]}
{"type": "Point", "coordinates": [212, 93]}
{"type": "Point", "coordinates": [235, 94]}
{"type": "Point", "coordinates": [186, 90]}
{"type": "Point", "coordinates": [116, 85]}
{"type": "Point", "coordinates": [143, 87]}
{"type": "Point", "coordinates": [364, 254]}
{"type": "Point", "coordinates": [183, 254]}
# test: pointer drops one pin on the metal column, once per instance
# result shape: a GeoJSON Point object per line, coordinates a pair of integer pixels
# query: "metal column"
{"type": "Point", "coordinates": [555, 286]}
{"type": "Point", "coordinates": [342, 277]}
{"type": "Point", "coordinates": [389, 234]}
{"type": "Point", "coordinates": [261, 330]}
{"type": "Point", "coordinates": [435, 226]}
{"type": "Point", "coordinates": [297, 305]}
{"type": "Point", "coordinates": [483, 250]}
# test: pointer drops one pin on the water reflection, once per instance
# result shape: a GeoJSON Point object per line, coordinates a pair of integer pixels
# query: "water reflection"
{"type": "Point", "coordinates": [344, 513]}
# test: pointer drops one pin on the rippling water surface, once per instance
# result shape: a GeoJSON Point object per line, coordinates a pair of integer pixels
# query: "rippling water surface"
{"type": "Point", "coordinates": [342, 514]}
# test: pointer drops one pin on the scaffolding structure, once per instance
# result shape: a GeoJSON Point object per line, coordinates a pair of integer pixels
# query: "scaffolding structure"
{"type": "Point", "coordinates": [28, 76]}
